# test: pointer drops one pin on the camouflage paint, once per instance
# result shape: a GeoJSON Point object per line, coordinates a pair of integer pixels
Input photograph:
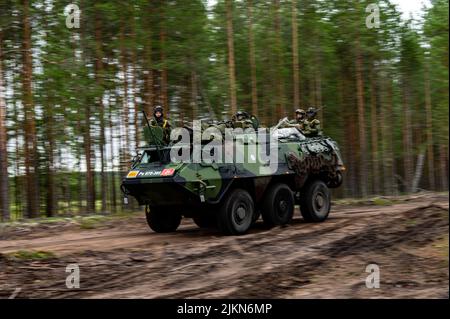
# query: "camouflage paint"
{"type": "Point", "coordinates": [196, 183]}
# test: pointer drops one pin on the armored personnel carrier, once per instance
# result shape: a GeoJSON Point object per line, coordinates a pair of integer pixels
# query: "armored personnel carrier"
{"type": "Point", "coordinates": [232, 195]}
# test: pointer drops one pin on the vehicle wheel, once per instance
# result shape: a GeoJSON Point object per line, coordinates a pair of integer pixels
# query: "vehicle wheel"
{"type": "Point", "coordinates": [315, 202]}
{"type": "Point", "coordinates": [236, 213]}
{"type": "Point", "coordinates": [205, 221]}
{"type": "Point", "coordinates": [278, 205]}
{"type": "Point", "coordinates": [161, 220]}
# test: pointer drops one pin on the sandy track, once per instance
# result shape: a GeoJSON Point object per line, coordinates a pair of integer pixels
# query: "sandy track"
{"type": "Point", "coordinates": [408, 241]}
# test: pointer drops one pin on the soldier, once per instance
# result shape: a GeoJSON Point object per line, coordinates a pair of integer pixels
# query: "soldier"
{"type": "Point", "coordinates": [300, 119]}
{"type": "Point", "coordinates": [312, 125]}
{"type": "Point", "coordinates": [242, 119]}
{"type": "Point", "coordinates": [159, 120]}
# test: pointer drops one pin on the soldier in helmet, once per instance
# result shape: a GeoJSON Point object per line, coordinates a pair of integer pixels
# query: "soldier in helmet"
{"type": "Point", "coordinates": [300, 119]}
{"type": "Point", "coordinates": [159, 120]}
{"type": "Point", "coordinates": [242, 119]}
{"type": "Point", "coordinates": [312, 125]}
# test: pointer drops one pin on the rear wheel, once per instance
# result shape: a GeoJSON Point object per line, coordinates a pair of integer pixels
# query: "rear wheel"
{"type": "Point", "coordinates": [162, 220]}
{"type": "Point", "coordinates": [236, 213]}
{"type": "Point", "coordinates": [278, 205]}
{"type": "Point", "coordinates": [315, 201]}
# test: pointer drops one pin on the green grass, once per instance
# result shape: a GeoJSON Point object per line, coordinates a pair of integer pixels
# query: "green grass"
{"type": "Point", "coordinates": [376, 201]}
{"type": "Point", "coordinates": [379, 201]}
{"type": "Point", "coordinates": [411, 222]}
{"type": "Point", "coordinates": [442, 246]}
{"type": "Point", "coordinates": [84, 222]}
{"type": "Point", "coordinates": [31, 255]}
{"type": "Point", "coordinates": [91, 222]}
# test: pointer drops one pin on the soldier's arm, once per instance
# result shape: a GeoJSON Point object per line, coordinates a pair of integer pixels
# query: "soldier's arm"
{"type": "Point", "coordinates": [315, 126]}
{"type": "Point", "coordinates": [306, 128]}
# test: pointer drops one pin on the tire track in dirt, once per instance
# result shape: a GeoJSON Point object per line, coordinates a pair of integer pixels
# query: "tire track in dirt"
{"type": "Point", "coordinates": [293, 261]}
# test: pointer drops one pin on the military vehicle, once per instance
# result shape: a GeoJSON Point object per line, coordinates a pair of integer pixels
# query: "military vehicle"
{"type": "Point", "coordinates": [232, 196]}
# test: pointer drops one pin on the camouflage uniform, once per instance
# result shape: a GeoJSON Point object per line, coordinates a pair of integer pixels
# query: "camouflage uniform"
{"type": "Point", "coordinates": [298, 123]}
{"type": "Point", "coordinates": [312, 125]}
{"type": "Point", "coordinates": [242, 120]}
{"type": "Point", "coordinates": [161, 122]}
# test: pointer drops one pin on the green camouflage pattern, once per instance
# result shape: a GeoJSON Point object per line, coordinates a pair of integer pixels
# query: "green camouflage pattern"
{"type": "Point", "coordinates": [164, 183]}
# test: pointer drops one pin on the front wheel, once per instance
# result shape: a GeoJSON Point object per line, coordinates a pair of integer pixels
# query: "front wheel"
{"type": "Point", "coordinates": [315, 201]}
{"type": "Point", "coordinates": [162, 220]}
{"type": "Point", "coordinates": [236, 213]}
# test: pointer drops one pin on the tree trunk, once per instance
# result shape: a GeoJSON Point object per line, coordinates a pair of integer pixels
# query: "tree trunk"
{"type": "Point", "coordinates": [408, 161]}
{"type": "Point", "coordinates": [362, 123]}
{"type": "Point", "coordinates": [295, 64]}
{"type": "Point", "coordinates": [205, 99]}
{"type": "Point", "coordinates": [79, 153]}
{"type": "Point", "coordinates": [30, 125]}
{"type": "Point", "coordinates": [231, 70]}
{"type": "Point", "coordinates": [318, 78]}
{"type": "Point", "coordinates": [318, 90]}
{"type": "Point", "coordinates": [194, 94]}
{"type": "Point", "coordinates": [125, 108]}
{"type": "Point", "coordinates": [443, 159]}
{"type": "Point", "coordinates": [279, 61]}
{"type": "Point", "coordinates": [164, 95]}
{"type": "Point", "coordinates": [390, 136]}
{"type": "Point", "coordinates": [90, 192]}
{"type": "Point", "coordinates": [418, 172]}
{"type": "Point", "coordinates": [430, 162]}
{"type": "Point", "coordinates": [135, 102]}
{"type": "Point", "coordinates": [148, 99]}
{"type": "Point", "coordinates": [89, 188]}
{"type": "Point", "coordinates": [348, 118]}
{"type": "Point", "coordinates": [4, 187]}
{"type": "Point", "coordinates": [113, 171]}
{"type": "Point", "coordinates": [50, 176]}
{"type": "Point", "coordinates": [100, 104]}
{"type": "Point", "coordinates": [251, 42]}
{"type": "Point", "coordinates": [50, 146]}
{"type": "Point", "coordinates": [18, 182]}
{"type": "Point", "coordinates": [386, 135]}
{"type": "Point", "coordinates": [374, 134]}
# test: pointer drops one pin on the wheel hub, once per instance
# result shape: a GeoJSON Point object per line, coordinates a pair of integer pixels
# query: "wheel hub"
{"type": "Point", "coordinates": [320, 201]}
{"type": "Point", "coordinates": [241, 212]}
{"type": "Point", "coordinates": [282, 205]}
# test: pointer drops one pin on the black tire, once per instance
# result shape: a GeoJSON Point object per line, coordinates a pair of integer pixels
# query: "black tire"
{"type": "Point", "coordinates": [236, 213]}
{"type": "Point", "coordinates": [315, 201]}
{"type": "Point", "coordinates": [205, 221]}
{"type": "Point", "coordinates": [278, 205]}
{"type": "Point", "coordinates": [162, 220]}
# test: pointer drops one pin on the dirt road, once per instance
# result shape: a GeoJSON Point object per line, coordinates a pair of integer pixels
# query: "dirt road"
{"type": "Point", "coordinates": [408, 240]}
